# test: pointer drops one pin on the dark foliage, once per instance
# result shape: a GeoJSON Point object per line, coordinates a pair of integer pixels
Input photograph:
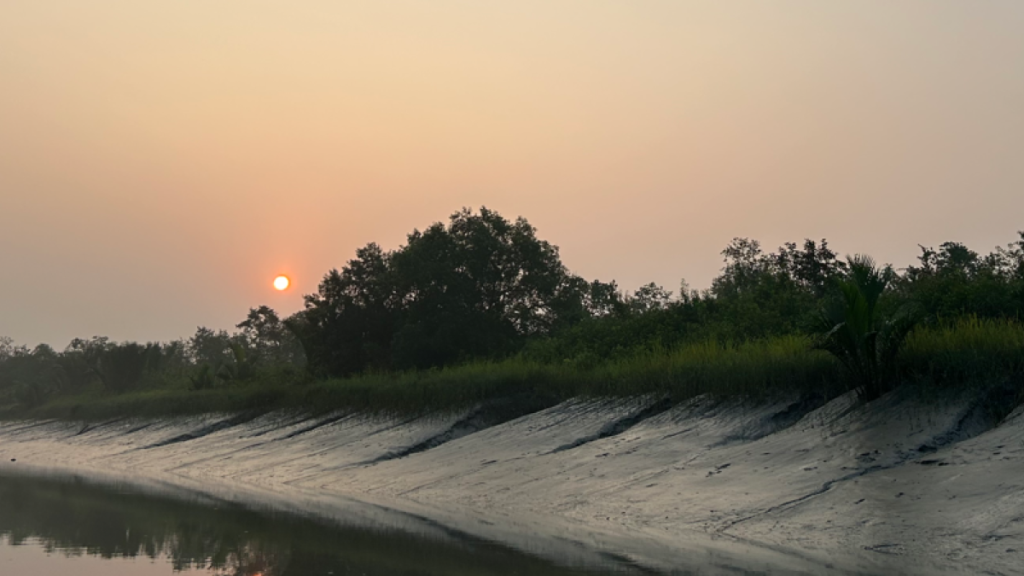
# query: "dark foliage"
{"type": "Point", "coordinates": [955, 280]}
{"type": "Point", "coordinates": [856, 333]}
{"type": "Point", "coordinates": [475, 288]}
{"type": "Point", "coordinates": [483, 288]}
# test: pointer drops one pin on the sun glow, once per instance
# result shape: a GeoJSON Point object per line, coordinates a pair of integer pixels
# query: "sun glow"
{"type": "Point", "coordinates": [281, 282]}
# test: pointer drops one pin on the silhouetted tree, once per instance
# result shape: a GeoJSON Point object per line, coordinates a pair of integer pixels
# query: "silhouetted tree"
{"type": "Point", "coordinates": [476, 287]}
{"type": "Point", "coordinates": [209, 347]}
{"type": "Point", "coordinates": [814, 268]}
{"type": "Point", "coordinates": [121, 366]}
{"type": "Point", "coordinates": [266, 339]}
{"type": "Point", "coordinates": [349, 323]}
{"type": "Point", "coordinates": [649, 297]}
{"type": "Point", "coordinates": [755, 296]}
{"type": "Point", "coordinates": [956, 280]}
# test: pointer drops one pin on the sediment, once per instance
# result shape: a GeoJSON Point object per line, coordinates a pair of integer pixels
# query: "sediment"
{"type": "Point", "coordinates": [898, 485]}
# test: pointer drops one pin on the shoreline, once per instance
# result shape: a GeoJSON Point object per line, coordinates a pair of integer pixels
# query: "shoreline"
{"type": "Point", "coordinates": [895, 485]}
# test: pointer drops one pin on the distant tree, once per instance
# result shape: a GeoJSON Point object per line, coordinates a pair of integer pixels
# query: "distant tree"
{"type": "Point", "coordinates": [604, 299]}
{"type": "Point", "coordinates": [955, 280]}
{"type": "Point", "coordinates": [1011, 258]}
{"type": "Point", "coordinates": [7, 348]}
{"type": "Point", "coordinates": [122, 366]}
{"type": "Point", "coordinates": [649, 297]}
{"type": "Point", "coordinates": [476, 288]}
{"type": "Point", "coordinates": [578, 300]}
{"type": "Point", "coordinates": [266, 338]}
{"type": "Point", "coordinates": [686, 293]}
{"type": "Point", "coordinates": [82, 357]}
{"type": "Point", "coordinates": [175, 357]}
{"type": "Point", "coordinates": [745, 262]}
{"type": "Point", "coordinates": [756, 295]}
{"type": "Point", "coordinates": [76, 373]}
{"type": "Point", "coordinates": [815, 267]}
{"type": "Point", "coordinates": [38, 375]}
{"type": "Point", "coordinates": [93, 346]}
{"type": "Point", "coordinates": [209, 347]}
{"type": "Point", "coordinates": [349, 323]}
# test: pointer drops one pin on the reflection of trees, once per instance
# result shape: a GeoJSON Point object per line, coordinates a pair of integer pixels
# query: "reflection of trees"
{"type": "Point", "coordinates": [252, 558]}
{"type": "Point", "coordinates": [253, 562]}
{"type": "Point", "coordinates": [74, 518]}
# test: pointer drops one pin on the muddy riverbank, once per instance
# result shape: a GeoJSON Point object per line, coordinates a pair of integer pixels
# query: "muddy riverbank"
{"type": "Point", "coordinates": [897, 485]}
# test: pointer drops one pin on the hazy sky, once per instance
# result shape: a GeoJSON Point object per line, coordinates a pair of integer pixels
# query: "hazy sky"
{"type": "Point", "coordinates": [161, 161]}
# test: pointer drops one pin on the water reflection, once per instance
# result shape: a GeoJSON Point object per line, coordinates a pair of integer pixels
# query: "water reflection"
{"type": "Point", "coordinates": [72, 519]}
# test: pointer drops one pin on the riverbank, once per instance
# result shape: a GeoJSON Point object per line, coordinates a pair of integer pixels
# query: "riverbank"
{"type": "Point", "coordinates": [897, 485]}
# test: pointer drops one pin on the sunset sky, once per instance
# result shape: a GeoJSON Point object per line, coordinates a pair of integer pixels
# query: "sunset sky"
{"type": "Point", "coordinates": [161, 162]}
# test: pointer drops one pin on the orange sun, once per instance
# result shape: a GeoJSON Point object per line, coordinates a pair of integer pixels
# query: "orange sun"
{"type": "Point", "coordinates": [281, 282]}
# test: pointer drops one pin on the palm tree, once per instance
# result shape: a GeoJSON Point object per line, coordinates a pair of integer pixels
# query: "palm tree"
{"type": "Point", "coordinates": [854, 332]}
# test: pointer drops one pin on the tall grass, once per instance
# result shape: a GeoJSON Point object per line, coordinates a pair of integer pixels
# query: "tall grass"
{"type": "Point", "coordinates": [754, 369]}
{"type": "Point", "coordinates": [758, 369]}
{"type": "Point", "coordinates": [967, 351]}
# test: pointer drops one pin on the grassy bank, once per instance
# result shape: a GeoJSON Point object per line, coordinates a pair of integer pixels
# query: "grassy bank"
{"type": "Point", "coordinates": [965, 353]}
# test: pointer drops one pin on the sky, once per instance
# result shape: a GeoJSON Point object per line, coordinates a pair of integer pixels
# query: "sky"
{"type": "Point", "coordinates": [161, 162]}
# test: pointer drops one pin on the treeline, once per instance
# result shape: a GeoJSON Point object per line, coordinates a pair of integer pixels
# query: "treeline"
{"type": "Point", "coordinates": [261, 350]}
{"type": "Point", "coordinates": [763, 294]}
{"type": "Point", "coordinates": [483, 288]}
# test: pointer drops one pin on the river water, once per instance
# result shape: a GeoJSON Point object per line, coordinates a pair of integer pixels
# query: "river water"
{"type": "Point", "coordinates": [51, 526]}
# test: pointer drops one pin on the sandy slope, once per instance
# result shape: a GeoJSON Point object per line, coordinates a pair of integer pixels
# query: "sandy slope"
{"type": "Point", "coordinates": [893, 487]}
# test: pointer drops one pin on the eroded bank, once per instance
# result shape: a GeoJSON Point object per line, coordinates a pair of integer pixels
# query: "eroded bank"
{"type": "Point", "coordinates": [896, 485]}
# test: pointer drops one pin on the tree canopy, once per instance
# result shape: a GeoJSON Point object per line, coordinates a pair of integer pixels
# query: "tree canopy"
{"type": "Point", "coordinates": [475, 287]}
